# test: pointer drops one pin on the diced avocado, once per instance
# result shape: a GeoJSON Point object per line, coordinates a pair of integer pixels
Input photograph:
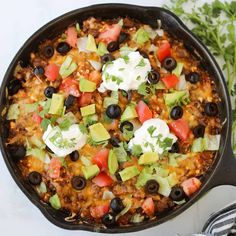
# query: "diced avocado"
{"type": "Point", "coordinates": [129, 114]}
{"type": "Point", "coordinates": [129, 172]}
{"type": "Point", "coordinates": [172, 161]}
{"type": "Point", "coordinates": [112, 162]}
{"type": "Point", "coordinates": [67, 67]}
{"type": "Point", "coordinates": [57, 104]}
{"type": "Point", "coordinates": [55, 202]}
{"type": "Point", "coordinates": [91, 44]}
{"type": "Point", "coordinates": [88, 110]}
{"type": "Point", "coordinates": [90, 171]}
{"type": "Point", "coordinates": [13, 112]}
{"type": "Point", "coordinates": [172, 98]}
{"type": "Point", "coordinates": [178, 69]}
{"type": "Point", "coordinates": [198, 145]}
{"type": "Point", "coordinates": [86, 85]}
{"type": "Point", "coordinates": [120, 153]}
{"type": "Point", "coordinates": [141, 36]}
{"type": "Point", "coordinates": [109, 101]}
{"type": "Point", "coordinates": [102, 49]}
{"type": "Point", "coordinates": [172, 179]}
{"type": "Point", "coordinates": [36, 152]}
{"type": "Point", "coordinates": [148, 158]}
{"type": "Point", "coordinates": [164, 186]}
{"type": "Point", "coordinates": [98, 133]}
{"type": "Point", "coordinates": [160, 85]}
{"type": "Point", "coordinates": [145, 175]}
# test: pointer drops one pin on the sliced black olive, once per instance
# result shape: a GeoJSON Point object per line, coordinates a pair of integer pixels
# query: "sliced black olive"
{"type": "Point", "coordinates": [38, 70]}
{"type": "Point", "coordinates": [152, 186]}
{"type": "Point", "coordinates": [48, 149]}
{"type": "Point", "coordinates": [24, 63]}
{"type": "Point", "coordinates": [14, 86]}
{"type": "Point", "coordinates": [35, 178]}
{"type": "Point", "coordinates": [177, 194]}
{"type": "Point", "coordinates": [169, 63]}
{"type": "Point", "coordinates": [126, 125]}
{"type": "Point", "coordinates": [113, 111]}
{"type": "Point", "coordinates": [113, 46]}
{"type": "Point", "coordinates": [118, 177]}
{"type": "Point", "coordinates": [74, 156]}
{"type": "Point", "coordinates": [211, 109]}
{"type": "Point", "coordinates": [193, 77]}
{"type": "Point", "coordinates": [143, 54]}
{"type": "Point", "coordinates": [117, 205]}
{"type": "Point", "coordinates": [106, 58]}
{"type": "Point", "coordinates": [48, 51]}
{"type": "Point", "coordinates": [17, 151]}
{"type": "Point", "coordinates": [69, 101]}
{"type": "Point", "coordinates": [199, 131]}
{"type": "Point", "coordinates": [78, 182]}
{"type": "Point", "coordinates": [153, 77]}
{"type": "Point", "coordinates": [123, 36]}
{"type": "Point", "coordinates": [176, 113]}
{"type": "Point", "coordinates": [127, 94]}
{"type": "Point", "coordinates": [109, 219]}
{"type": "Point", "coordinates": [63, 48]}
{"type": "Point", "coordinates": [48, 91]}
{"type": "Point", "coordinates": [114, 141]}
{"type": "Point", "coordinates": [174, 148]}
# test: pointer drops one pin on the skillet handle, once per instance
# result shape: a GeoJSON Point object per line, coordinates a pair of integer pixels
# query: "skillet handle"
{"type": "Point", "coordinates": [225, 173]}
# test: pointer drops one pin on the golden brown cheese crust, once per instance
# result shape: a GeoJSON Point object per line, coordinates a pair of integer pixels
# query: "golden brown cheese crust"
{"type": "Point", "coordinates": [80, 202]}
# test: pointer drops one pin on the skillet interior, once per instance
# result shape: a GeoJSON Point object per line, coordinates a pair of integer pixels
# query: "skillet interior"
{"type": "Point", "coordinates": [148, 15]}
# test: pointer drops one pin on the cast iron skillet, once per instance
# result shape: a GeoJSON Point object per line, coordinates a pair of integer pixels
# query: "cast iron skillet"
{"type": "Point", "coordinates": [224, 168]}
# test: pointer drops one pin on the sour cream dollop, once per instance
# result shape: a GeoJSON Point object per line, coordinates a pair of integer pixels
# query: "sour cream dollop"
{"type": "Point", "coordinates": [153, 136]}
{"type": "Point", "coordinates": [63, 142]}
{"type": "Point", "coordinates": [125, 73]}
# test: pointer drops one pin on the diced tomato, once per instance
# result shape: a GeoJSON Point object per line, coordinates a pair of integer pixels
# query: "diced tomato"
{"type": "Point", "coordinates": [99, 211]}
{"type": "Point", "coordinates": [70, 87]}
{"type": "Point", "coordinates": [170, 81]}
{"type": "Point", "coordinates": [144, 113]}
{"type": "Point", "coordinates": [37, 118]}
{"type": "Point", "coordinates": [84, 99]}
{"type": "Point", "coordinates": [102, 180]}
{"type": "Point", "coordinates": [191, 185]}
{"type": "Point", "coordinates": [52, 72]}
{"type": "Point", "coordinates": [71, 37]}
{"type": "Point", "coordinates": [54, 168]}
{"type": "Point", "coordinates": [163, 51]}
{"type": "Point", "coordinates": [95, 77]}
{"type": "Point", "coordinates": [148, 206]}
{"type": "Point", "coordinates": [101, 158]}
{"type": "Point", "coordinates": [181, 128]}
{"type": "Point", "coordinates": [111, 33]}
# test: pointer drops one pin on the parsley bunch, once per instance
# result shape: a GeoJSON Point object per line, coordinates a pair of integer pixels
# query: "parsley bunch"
{"type": "Point", "coordinates": [214, 23]}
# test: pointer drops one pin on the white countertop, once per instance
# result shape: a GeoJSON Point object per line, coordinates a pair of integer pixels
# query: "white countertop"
{"type": "Point", "coordinates": [18, 20]}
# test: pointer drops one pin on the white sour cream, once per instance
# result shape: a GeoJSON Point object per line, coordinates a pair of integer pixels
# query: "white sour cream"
{"type": "Point", "coordinates": [63, 142]}
{"type": "Point", "coordinates": [153, 136]}
{"type": "Point", "coordinates": [125, 73]}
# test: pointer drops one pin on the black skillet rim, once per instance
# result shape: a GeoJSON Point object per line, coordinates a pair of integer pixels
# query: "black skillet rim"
{"type": "Point", "coordinates": [50, 213]}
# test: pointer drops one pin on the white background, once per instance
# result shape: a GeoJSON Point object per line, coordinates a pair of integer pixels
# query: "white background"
{"type": "Point", "coordinates": [18, 20]}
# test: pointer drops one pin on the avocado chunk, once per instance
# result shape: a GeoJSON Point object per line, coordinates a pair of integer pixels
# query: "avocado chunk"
{"type": "Point", "coordinates": [129, 114]}
{"type": "Point", "coordinates": [141, 36]}
{"type": "Point", "coordinates": [148, 158]}
{"type": "Point", "coordinates": [67, 67]}
{"type": "Point", "coordinates": [91, 44]}
{"type": "Point", "coordinates": [173, 98]}
{"type": "Point", "coordinates": [90, 171]}
{"type": "Point", "coordinates": [112, 162]}
{"type": "Point", "coordinates": [88, 110]}
{"type": "Point", "coordinates": [102, 49]}
{"type": "Point", "coordinates": [57, 104]}
{"type": "Point", "coordinates": [86, 85]}
{"type": "Point", "coordinates": [98, 133]}
{"type": "Point", "coordinates": [178, 69]}
{"type": "Point", "coordinates": [129, 172]}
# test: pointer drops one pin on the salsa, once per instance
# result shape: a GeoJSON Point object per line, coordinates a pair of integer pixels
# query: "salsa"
{"type": "Point", "coordinates": [113, 122]}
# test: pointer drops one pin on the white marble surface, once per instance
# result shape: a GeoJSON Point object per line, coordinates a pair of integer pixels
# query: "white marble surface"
{"type": "Point", "coordinates": [18, 20]}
